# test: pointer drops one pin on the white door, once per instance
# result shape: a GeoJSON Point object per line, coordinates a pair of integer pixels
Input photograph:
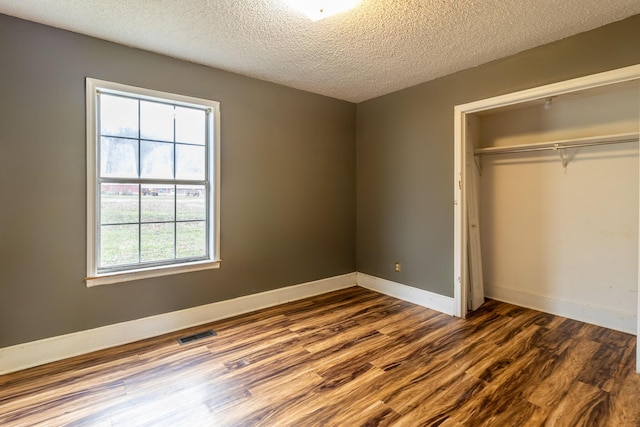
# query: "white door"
{"type": "Point", "coordinates": [475, 284]}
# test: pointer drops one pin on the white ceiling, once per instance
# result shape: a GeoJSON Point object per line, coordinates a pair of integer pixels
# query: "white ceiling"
{"type": "Point", "coordinates": [379, 47]}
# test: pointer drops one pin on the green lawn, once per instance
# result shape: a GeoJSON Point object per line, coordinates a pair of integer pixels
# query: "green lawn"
{"type": "Point", "coordinates": [124, 241]}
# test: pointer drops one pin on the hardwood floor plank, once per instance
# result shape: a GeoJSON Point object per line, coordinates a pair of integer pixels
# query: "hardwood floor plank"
{"type": "Point", "coordinates": [564, 371]}
{"type": "Point", "coordinates": [296, 407]}
{"type": "Point", "coordinates": [606, 336]}
{"type": "Point", "coordinates": [267, 370]}
{"type": "Point", "coordinates": [506, 389]}
{"type": "Point", "coordinates": [428, 381]}
{"type": "Point", "coordinates": [176, 407]}
{"type": "Point", "coordinates": [374, 414]}
{"type": "Point", "coordinates": [336, 306]}
{"type": "Point", "coordinates": [503, 355]}
{"type": "Point", "coordinates": [410, 344]}
{"type": "Point", "coordinates": [407, 320]}
{"type": "Point", "coordinates": [23, 390]}
{"type": "Point", "coordinates": [552, 340]}
{"type": "Point", "coordinates": [346, 336]}
{"type": "Point", "coordinates": [438, 411]}
{"type": "Point", "coordinates": [296, 380]}
{"type": "Point", "coordinates": [63, 409]}
{"type": "Point", "coordinates": [269, 401]}
{"type": "Point", "coordinates": [625, 400]}
{"type": "Point", "coordinates": [604, 367]}
{"type": "Point", "coordinates": [334, 315]}
{"type": "Point", "coordinates": [583, 405]}
{"type": "Point", "coordinates": [349, 357]}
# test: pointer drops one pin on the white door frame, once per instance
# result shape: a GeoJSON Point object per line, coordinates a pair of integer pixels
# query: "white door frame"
{"type": "Point", "coordinates": [460, 273]}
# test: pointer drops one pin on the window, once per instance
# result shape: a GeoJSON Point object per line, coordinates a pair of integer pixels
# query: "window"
{"type": "Point", "coordinates": [152, 183]}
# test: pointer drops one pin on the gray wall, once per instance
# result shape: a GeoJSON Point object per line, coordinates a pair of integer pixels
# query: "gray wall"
{"type": "Point", "coordinates": [405, 151]}
{"type": "Point", "coordinates": [288, 175]}
{"type": "Point", "coordinates": [288, 184]}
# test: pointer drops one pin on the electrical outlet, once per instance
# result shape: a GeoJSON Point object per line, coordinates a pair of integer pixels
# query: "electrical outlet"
{"type": "Point", "coordinates": [397, 267]}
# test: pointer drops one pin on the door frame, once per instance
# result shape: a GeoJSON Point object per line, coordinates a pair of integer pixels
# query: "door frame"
{"type": "Point", "coordinates": [460, 273]}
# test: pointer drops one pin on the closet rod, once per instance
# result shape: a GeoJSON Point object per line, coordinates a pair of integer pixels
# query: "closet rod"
{"type": "Point", "coordinates": [557, 145]}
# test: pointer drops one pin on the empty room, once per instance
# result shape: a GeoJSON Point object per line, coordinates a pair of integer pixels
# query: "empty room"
{"type": "Point", "coordinates": [317, 213]}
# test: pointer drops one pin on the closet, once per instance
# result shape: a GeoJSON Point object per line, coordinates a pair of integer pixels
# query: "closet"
{"type": "Point", "coordinates": [557, 203]}
{"type": "Point", "coordinates": [546, 200]}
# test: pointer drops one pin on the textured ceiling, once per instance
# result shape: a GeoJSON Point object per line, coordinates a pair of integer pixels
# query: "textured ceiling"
{"type": "Point", "coordinates": [379, 47]}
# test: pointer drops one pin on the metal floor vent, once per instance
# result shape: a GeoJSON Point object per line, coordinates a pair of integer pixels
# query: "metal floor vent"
{"type": "Point", "coordinates": [196, 337]}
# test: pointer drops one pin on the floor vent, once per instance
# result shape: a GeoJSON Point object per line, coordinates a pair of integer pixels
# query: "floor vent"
{"type": "Point", "coordinates": [196, 337]}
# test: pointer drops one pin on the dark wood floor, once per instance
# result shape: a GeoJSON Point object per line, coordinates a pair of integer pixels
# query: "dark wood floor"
{"type": "Point", "coordinates": [348, 358]}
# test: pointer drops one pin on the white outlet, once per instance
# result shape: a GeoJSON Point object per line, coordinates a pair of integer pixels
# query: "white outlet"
{"type": "Point", "coordinates": [397, 267]}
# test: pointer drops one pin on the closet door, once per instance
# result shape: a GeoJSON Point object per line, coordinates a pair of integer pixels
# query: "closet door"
{"type": "Point", "coordinates": [475, 297]}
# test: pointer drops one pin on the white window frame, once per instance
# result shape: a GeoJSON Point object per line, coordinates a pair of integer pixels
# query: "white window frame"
{"type": "Point", "coordinates": [94, 278]}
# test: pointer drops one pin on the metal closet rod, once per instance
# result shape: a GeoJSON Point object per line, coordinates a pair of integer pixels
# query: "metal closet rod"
{"type": "Point", "coordinates": [558, 145]}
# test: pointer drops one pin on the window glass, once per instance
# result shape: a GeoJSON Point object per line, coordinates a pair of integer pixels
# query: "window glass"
{"type": "Point", "coordinates": [119, 244]}
{"type": "Point", "coordinates": [158, 203]}
{"type": "Point", "coordinates": [118, 157]}
{"type": "Point", "coordinates": [191, 203]}
{"type": "Point", "coordinates": [118, 116]}
{"type": "Point", "coordinates": [191, 238]}
{"type": "Point", "coordinates": [156, 121]}
{"type": "Point", "coordinates": [189, 126]}
{"type": "Point", "coordinates": [119, 203]}
{"type": "Point", "coordinates": [153, 203]}
{"type": "Point", "coordinates": [157, 241]}
{"type": "Point", "coordinates": [190, 162]}
{"type": "Point", "coordinates": [156, 159]}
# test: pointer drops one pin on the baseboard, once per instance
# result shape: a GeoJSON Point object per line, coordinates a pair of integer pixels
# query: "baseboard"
{"type": "Point", "coordinates": [27, 355]}
{"type": "Point", "coordinates": [421, 297]}
{"type": "Point", "coordinates": [23, 356]}
{"type": "Point", "coordinates": [601, 316]}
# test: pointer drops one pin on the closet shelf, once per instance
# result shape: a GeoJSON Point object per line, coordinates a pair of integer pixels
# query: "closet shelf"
{"type": "Point", "coordinates": [560, 144]}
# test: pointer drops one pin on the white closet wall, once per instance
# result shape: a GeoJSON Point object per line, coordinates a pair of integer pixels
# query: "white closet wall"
{"type": "Point", "coordinates": [563, 241]}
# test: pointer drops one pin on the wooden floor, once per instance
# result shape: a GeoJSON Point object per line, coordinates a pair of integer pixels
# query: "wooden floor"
{"type": "Point", "coordinates": [348, 358]}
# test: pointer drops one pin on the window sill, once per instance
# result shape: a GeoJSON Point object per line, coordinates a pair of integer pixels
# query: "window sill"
{"type": "Point", "coordinates": [111, 278]}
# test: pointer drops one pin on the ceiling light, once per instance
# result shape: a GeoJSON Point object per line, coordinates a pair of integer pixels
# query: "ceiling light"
{"type": "Point", "coordinates": [320, 9]}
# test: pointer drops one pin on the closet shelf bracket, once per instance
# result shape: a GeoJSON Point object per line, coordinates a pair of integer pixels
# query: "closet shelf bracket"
{"type": "Point", "coordinates": [562, 151]}
{"type": "Point", "coordinates": [478, 161]}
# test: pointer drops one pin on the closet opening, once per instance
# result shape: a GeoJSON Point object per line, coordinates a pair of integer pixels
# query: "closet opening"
{"type": "Point", "coordinates": [546, 205]}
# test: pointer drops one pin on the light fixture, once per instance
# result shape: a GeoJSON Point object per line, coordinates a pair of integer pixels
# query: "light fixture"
{"type": "Point", "coordinates": [320, 9]}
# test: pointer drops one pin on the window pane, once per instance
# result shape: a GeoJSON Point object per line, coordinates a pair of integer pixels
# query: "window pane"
{"type": "Point", "coordinates": [191, 239]}
{"type": "Point", "coordinates": [158, 203]}
{"type": "Point", "coordinates": [191, 203]}
{"type": "Point", "coordinates": [157, 242]}
{"type": "Point", "coordinates": [156, 121]}
{"type": "Point", "coordinates": [118, 158]}
{"type": "Point", "coordinates": [151, 169]}
{"type": "Point", "coordinates": [190, 125]}
{"type": "Point", "coordinates": [190, 162]}
{"type": "Point", "coordinates": [118, 245]}
{"type": "Point", "coordinates": [119, 203]}
{"type": "Point", "coordinates": [118, 116]}
{"type": "Point", "coordinates": [157, 159]}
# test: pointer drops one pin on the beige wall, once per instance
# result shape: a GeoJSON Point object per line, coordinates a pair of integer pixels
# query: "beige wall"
{"type": "Point", "coordinates": [577, 115]}
{"type": "Point", "coordinates": [557, 239]}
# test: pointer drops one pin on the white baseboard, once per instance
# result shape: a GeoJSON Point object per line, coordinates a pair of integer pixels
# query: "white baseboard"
{"type": "Point", "coordinates": [27, 355]}
{"type": "Point", "coordinates": [596, 315]}
{"type": "Point", "coordinates": [421, 297]}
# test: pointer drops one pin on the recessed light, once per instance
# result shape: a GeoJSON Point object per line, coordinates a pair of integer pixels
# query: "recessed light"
{"type": "Point", "coordinates": [320, 9]}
